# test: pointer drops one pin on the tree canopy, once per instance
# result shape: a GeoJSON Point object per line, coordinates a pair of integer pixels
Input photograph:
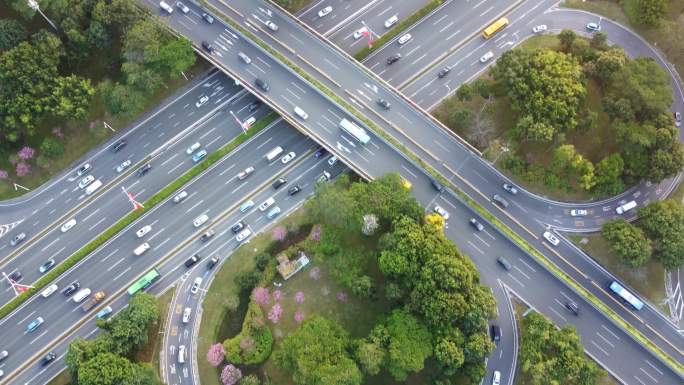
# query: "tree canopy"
{"type": "Point", "coordinates": [628, 242]}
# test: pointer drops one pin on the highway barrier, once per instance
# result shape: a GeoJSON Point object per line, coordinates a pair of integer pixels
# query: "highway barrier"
{"type": "Point", "coordinates": [517, 239]}
{"type": "Point", "coordinates": [398, 28]}
{"type": "Point", "coordinates": [132, 216]}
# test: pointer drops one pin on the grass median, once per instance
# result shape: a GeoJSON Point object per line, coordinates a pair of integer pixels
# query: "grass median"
{"type": "Point", "coordinates": [471, 202]}
{"type": "Point", "coordinates": [400, 27]}
{"type": "Point", "coordinates": [133, 215]}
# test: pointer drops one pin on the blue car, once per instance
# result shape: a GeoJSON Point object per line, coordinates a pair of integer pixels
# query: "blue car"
{"type": "Point", "coordinates": [199, 155]}
{"type": "Point", "coordinates": [34, 324]}
{"type": "Point", "coordinates": [273, 213]}
{"type": "Point", "coordinates": [104, 312]}
{"type": "Point", "coordinates": [246, 206]}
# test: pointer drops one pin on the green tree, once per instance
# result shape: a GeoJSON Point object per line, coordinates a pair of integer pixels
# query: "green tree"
{"type": "Point", "coordinates": [251, 379]}
{"type": "Point", "coordinates": [71, 97]}
{"type": "Point", "coordinates": [465, 92]}
{"type": "Point", "coordinates": [543, 84]}
{"type": "Point", "coordinates": [317, 353]}
{"type": "Point", "coordinates": [646, 12]}
{"type": "Point", "coordinates": [407, 341]}
{"type": "Point", "coordinates": [608, 63]}
{"type": "Point", "coordinates": [627, 241]}
{"type": "Point", "coordinates": [599, 41]}
{"type": "Point", "coordinates": [609, 176]}
{"type": "Point", "coordinates": [12, 32]}
{"type": "Point", "coordinates": [646, 85]}
{"type": "Point", "coordinates": [460, 119]}
{"type": "Point", "coordinates": [81, 351]}
{"type": "Point", "coordinates": [370, 356]}
{"type": "Point", "coordinates": [51, 147]}
{"type": "Point", "coordinates": [122, 100]}
{"type": "Point", "coordinates": [663, 222]}
{"type": "Point", "coordinates": [567, 37]}
{"type": "Point", "coordinates": [174, 57]}
{"type": "Point", "coordinates": [128, 329]}
{"type": "Point", "coordinates": [106, 369]}
{"type": "Point", "coordinates": [552, 356]}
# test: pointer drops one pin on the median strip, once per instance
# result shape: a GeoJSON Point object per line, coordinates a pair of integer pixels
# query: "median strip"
{"type": "Point", "coordinates": [132, 216]}
{"type": "Point", "coordinates": [636, 334]}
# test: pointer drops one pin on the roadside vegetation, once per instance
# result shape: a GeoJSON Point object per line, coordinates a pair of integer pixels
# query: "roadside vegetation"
{"type": "Point", "coordinates": [118, 354]}
{"type": "Point", "coordinates": [385, 298]}
{"type": "Point", "coordinates": [571, 118]}
{"type": "Point", "coordinates": [293, 6]}
{"type": "Point", "coordinates": [107, 61]}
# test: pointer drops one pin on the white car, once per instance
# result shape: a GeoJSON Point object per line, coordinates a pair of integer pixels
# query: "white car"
{"type": "Point", "coordinates": [360, 32]}
{"type": "Point", "coordinates": [68, 225]}
{"type": "Point", "coordinates": [85, 181]}
{"type": "Point", "coordinates": [405, 38]}
{"type": "Point", "coordinates": [202, 101]}
{"type": "Point", "coordinates": [196, 285]}
{"type": "Point", "coordinates": [141, 249]}
{"type": "Point", "coordinates": [186, 315]}
{"type": "Point", "coordinates": [539, 28]}
{"type": "Point", "coordinates": [441, 211]}
{"type": "Point", "coordinates": [496, 379]}
{"type": "Point", "coordinates": [578, 213]}
{"type": "Point", "coordinates": [245, 173]}
{"type": "Point", "coordinates": [242, 235]}
{"type": "Point", "coordinates": [594, 27]}
{"type": "Point", "coordinates": [199, 221]}
{"type": "Point", "coordinates": [323, 12]}
{"type": "Point", "coordinates": [49, 290]}
{"type": "Point", "coordinates": [266, 204]}
{"type": "Point", "coordinates": [290, 155]}
{"type": "Point", "coordinates": [391, 21]}
{"type": "Point", "coordinates": [183, 8]}
{"type": "Point", "coordinates": [486, 57]}
{"type": "Point", "coordinates": [332, 160]}
{"type": "Point", "coordinates": [124, 165]}
{"type": "Point", "coordinates": [551, 238]}
{"type": "Point", "coordinates": [678, 119]}
{"type": "Point", "coordinates": [271, 25]}
{"type": "Point", "coordinates": [144, 230]}
{"type": "Point", "coordinates": [84, 169]}
{"type": "Point", "coordinates": [193, 148]}
{"type": "Point", "coordinates": [180, 196]}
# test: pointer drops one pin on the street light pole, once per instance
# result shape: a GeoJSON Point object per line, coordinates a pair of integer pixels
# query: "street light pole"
{"type": "Point", "coordinates": [33, 4]}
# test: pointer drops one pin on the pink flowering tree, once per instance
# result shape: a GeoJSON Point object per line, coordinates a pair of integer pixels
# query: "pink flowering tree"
{"type": "Point", "coordinates": [230, 375]}
{"type": "Point", "coordinates": [279, 233]}
{"type": "Point", "coordinates": [342, 297]}
{"type": "Point", "coordinates": [26, 153]}
{"type": "Point", "coordinates": [316, 233]}
{"type": "Point", "coordinates": [261, 296]}
{"type": "Point", "coordinates": [277, 295]}
{"type": "Point", "coordinates": [22, 169]}
{"type": "Point", "coordinates": [299, 297]}
{"type": "Point", "coordinates": [215, 354]}
{"type": "Point", "coordinates": [56, 131]}
{"type": "Point", "coordinates": [299, 316]}
{"type": "Point", "coordinates": [4, 174]}
{"type": "Point", "coordinates": [275, 313]}
{"type": "Point", "coordinates": [315, 273]}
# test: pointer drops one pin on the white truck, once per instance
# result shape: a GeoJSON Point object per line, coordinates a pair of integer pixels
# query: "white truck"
{"type": "Point", "coordinates": [626, 207]}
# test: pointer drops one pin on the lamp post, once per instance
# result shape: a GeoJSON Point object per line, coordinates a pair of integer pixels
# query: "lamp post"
{"type": "Point", "coordinates": [33, 4]}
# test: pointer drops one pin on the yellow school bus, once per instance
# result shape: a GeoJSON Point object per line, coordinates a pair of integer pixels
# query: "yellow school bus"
{"type": "Point", "coordinates": [495, 27]}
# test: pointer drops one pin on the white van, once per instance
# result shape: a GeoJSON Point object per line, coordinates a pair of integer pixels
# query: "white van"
{"type": "Point", "coordinates": [93, 187]}
{"type": "Point", "coordinates": [49, 290]}
{"type": "Point", "coordinates": [391, 21]}
{"type": "Point", "coordinates": [165, 7]}
{"type": "Point", "coordinates": [81, 295]}
{"type": "Point", "coordinates": [267, 203]}
{"type": "Point", "coordinates": [181, 354]}
{"type": "Point", "coordinates": [274, 153]}
{"type": "Point", "coordinates": [301, 113]}
{"type": "Point", "coordinates": [626, 207]}
{"type": "Point", "coordinates": [141, 249]}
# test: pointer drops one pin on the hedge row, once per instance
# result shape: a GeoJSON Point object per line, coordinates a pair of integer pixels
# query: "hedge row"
{"type": "Point", "coordinates": [133, 215]}
{"type": "Point", "coordinates": [503, 227]}
{"type": "Point", "coordinates": [398, 28]}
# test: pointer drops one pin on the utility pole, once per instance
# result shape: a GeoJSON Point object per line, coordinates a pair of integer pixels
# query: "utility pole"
{"type": "Point", "coordinates": [33, 4]}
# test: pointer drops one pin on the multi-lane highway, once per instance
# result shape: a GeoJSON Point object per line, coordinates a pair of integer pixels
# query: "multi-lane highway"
{"type": "Point", "coordinates": [282, 82]}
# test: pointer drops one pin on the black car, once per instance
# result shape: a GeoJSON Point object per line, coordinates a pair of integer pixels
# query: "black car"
{"type": "Point", "coordinates": [294, 190]}
{"type": "Point", "coordinates": [192, 260]}
{"type": "Point", "coordinates": [438, 186]}
{"type": "Point", "coordinates": [212, 262]}
{"type": "Point", "coordinates": [238, 227]}
{"type": "Point", "coordinates": [279, 183]}
{"type": "Point", "coordinates": [384, 103]}
{"type": "Point", "coordinates": [119, 145]}
{"type": "Point", "coordinates": [207, 235]}
{"type": "Point", "coordinates": [48, 358]}
{"type": "Point", "coordinates": [477, 225]}
{"type": "Point", "coordinates": [393, 58]}
{"type": "Point", "coordinates": [144, 169]}
{"type": "Point", "coordinates": [18, 239]}
{"type": "Point", "coordinates": [208, 18]}
{"type": "Point", "coordinates": [262, 84]}
{"type": "Point", "coordinates": [504, 263]}
{"type": "Point", "coordinates": [443, 72]}
{"type": "Point", "coordinates": [572, 307]}
{"type": "Point", "coordinates": [16, 276]}
{"type": "Point", "coordinates": [495, 333]}
{"type": "Point", "coordinates": [71, 289]}
{"type": "Point", "coordinates": [206, 45]}
{"type": "Point", "coordinates": [320, 152]}
{"type": "Point", "coordinates": [254, 106]}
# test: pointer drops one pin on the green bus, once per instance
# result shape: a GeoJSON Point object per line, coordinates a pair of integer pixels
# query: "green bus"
{"type": "Point", "coordinates": [144, 282]}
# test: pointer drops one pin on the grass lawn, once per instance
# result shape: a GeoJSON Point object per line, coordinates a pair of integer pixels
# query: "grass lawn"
{"type": "Point", "coordinates": [666, 37]}
{"type": "Point", "coordinates": [648, 280]}
{"type": "Point", "coordinates": [80, 137]}
{"type": "Point", "coordinates": [62, 378]}
{"type": "Point", "coordinates": [293, 6]}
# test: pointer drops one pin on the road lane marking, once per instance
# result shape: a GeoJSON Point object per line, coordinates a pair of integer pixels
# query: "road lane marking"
{"type": "Point", "coordinates": [40, 335]}
{"type": "Point", "coordinates": [193, 207]}
{"type": "Point", "coordinates": [161, 244]}
{"type": "Point", "coordinates": [604, 352]}
{"type": "Point", "coordinates": [168, 160]}
{"type": "Point", "coordinates": [264, 143]}
{"type": "Point", "coordinates": [649, 376]}
{"type": "Point", "coordinates": [611, 332]}
{"type": "Point", "coordinates": [475, 247]}
{"type": "Point", "coordinates": [481, 240]}
{"type": "Point", "coordinates": [116, 263]}
{"type": "Point", "coordinates": [49, 244]}
{"type": "Point", "coordinates": [528, 265]}
{"type": "Point", "coordinates": [96, 224]}
{"type": "Point", "coordinates": [654, 367]}
{"type": "Point", "coordinates": [446, 27]}
{"type": "Point", "coordinates": [122, 273]}
{"type": "Point", "coordinates": [109, 255]}
{"type": "Point", "coordinates": [605, 340]}
{"type": "Point", "coordinates": [25, 318]}
{"type": "Point", "coordinates": [522, 272]}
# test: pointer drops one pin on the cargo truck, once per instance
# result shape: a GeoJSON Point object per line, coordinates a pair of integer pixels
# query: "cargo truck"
{"type": "Point", "coordinates": [92, 301]}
